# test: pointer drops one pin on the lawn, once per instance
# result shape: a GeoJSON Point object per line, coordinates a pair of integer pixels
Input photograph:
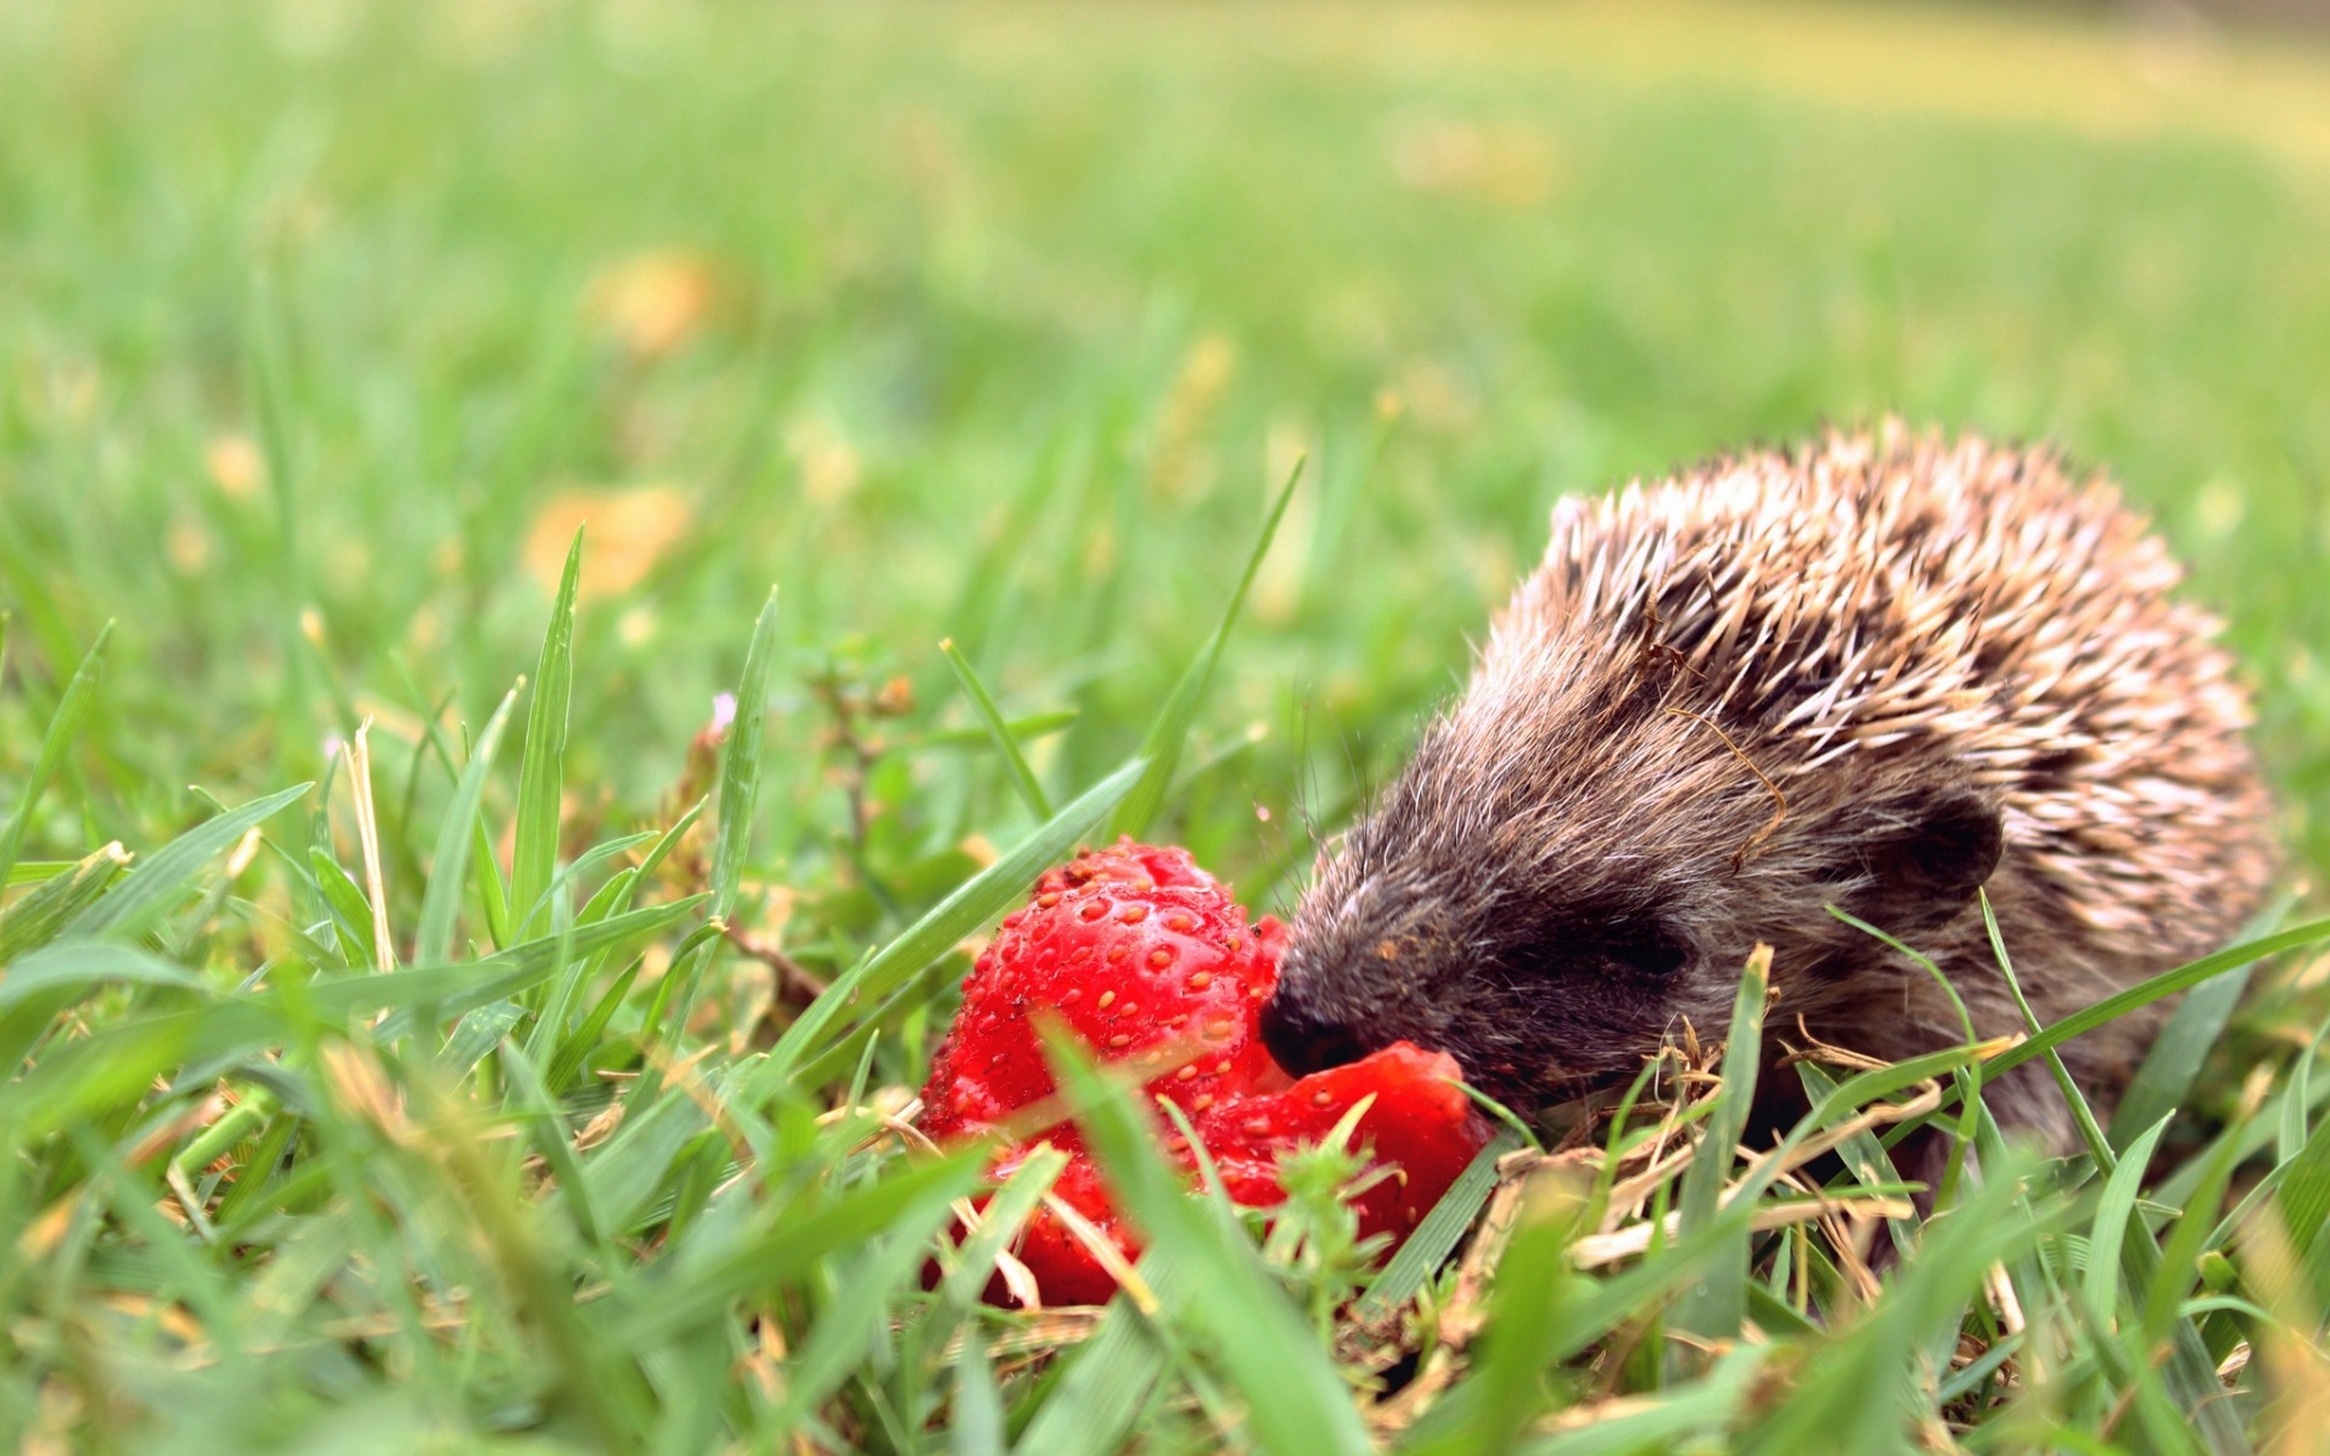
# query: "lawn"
{"type": "Point", "coordinates": [429, 1108]}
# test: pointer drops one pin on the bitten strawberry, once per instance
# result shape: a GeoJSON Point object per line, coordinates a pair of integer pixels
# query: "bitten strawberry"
{"type": "Point", "coordinates": [1139, 953]}
{"type": "Point", "coordinates": [1149, 961]}
{"type": "Point", "coordinates": [1421, 1125]}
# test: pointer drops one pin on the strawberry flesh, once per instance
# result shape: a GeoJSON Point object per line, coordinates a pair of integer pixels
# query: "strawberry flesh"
{"type": "Point", "coordinates": [1150, 962]}
{"type": "Point", "coordinates": [1421, 1125]}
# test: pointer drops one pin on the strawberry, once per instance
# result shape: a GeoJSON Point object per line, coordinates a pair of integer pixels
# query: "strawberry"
{"type": "Point", "coordinates": [1065, 1270]}
{"type": "Point", "coordinates": [1421, 1124]}
{"type": "Point", "coordinates": [1150, 962]}
{"type": "Point", "coordinates": [1142, 866]}
{"type": "Point", "coordinates": [1139, 953]}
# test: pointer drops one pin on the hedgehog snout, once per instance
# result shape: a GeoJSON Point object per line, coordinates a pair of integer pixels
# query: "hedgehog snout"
{"type": "Point", "coordinates": [1303, 1043]}
{"type": "Point", "coordinates": [1331, 1008]}
{"type": "Point", "coordinates": [1366, 966]}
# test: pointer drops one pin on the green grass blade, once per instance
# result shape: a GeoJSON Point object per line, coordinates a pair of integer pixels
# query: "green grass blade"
{"type": "Point", "coordinates": [1854, 1395]}
{"type": "Point", "coordinates": [740, 762]}
{"type": "Point", "coordinates": [1295, 1402]}
{"type": "Point", "coordinates": [2179, 1257]}
{"type": "Point", "coordinates": [869, 1287]}
{"type": "Point", "coordinates": [1863, 1154]}
{"type": "Point", "coordinates": [551, 1138]}
{"type": "Point", "coordinates": [77, 1080]}
{"type": "Point", "coordinates": [740, 765]}
{"type": "Point", "coordinates": [116, 1065]}
{"type": "Point", "coordinates": [2290, 1133]}
{"type": "Point", "coordinates": [1437, 1236]}
{"type": "Point", "coordinates": [81, 965]}
{"type": "Point", "coordinates": [986, 895]}
{"type": "Point", "coordinates": [670, 837]}
{"type": "Point", "coordinates": [2304, 1196]}
{"type": "Point", "coordinates": [1855, 1091]}
{"type": "Point", "coordinates": [566, 988]}
{"type": "Point", "coordinates": [2170, 1068]}
{"type": "Point", "coordinates": [1023, 778]}
{"type": "Point", "coordinates": [2303, 1169]}
{"type": "Point", "coordinates": [493, 892]}
{"type": "Point", "coordinates": [476, 1034]}
{"type": "Point", "coordinates": [579, 868]}
{"type": "Point", "coordinates": [626, 1172]}
{"type": "Point", "coordinates": [146, 893]}
{"type": "Point", "coordinates": [463, 985]}
{"type": "Point", "coordinates": [1110, 1379]}
{"type": "Point", "coordinates": [2188, 1372]}
{"type": "Point", "coordinates": [975, 1423]}
{"type": "Point", "coordinates": [566, 1062]}
{"type": "Point", "coordinates": [656, 1309]}
{"type": "Point", "coordinates": [846, 1051]}
{"type": "Point", "coordinates": [35, 920]}
{"type": "Point", "coordinates": [1713, 1310]}
{"type": "Point", "coordinates": [2144, 993]}
{"type": "Point", "coordinates": [2176, 1394]}
{"type": "Point", "coordinates": [1000, 1221]}
{"type": "Point", "coordinates": [2091, 1132]}
{"type": "Point", "coordinates": [63, 732]}
{"type": "Point", "coordinates": [1701, 1410]}
{"type": "Point", "coordinates": [1602, 1307]}
{"type": "Point", "coordinates": [1024, 729]}
{"type": "Point", "coordinates": [301, 1267]}
{"type": "Point", "coordinates": [2110, 1229]}
{"type": "Point", "coordinates": [449, 869]}
{"type": "Point", "coordinates": [350, 914]}
{"type": "Point", "coordinates": [1162, 747]}
{"type": "Point", "coordinates": [184, 1274]}
{"type": "Point", "coordinates": [567, 1059]}
{"type": "Point", "coordinates": [541, 774]}
{"type": "Point", "coordinates": [1533, 1283]}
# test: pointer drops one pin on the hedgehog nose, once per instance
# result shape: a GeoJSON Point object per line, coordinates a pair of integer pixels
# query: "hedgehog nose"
{"type": "Point", "coordinates": [1303, 1044]}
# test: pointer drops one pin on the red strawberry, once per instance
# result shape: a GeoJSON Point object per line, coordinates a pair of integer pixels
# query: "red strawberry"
{"type": "Point", "coordinates": [1420, 1123]}
{"type": "Point", "coordinates": [1066, 1271]}
{"type": "Point", "coordinates": [1143, 866]}
{"type": "Point", "coordinates": [1148, 960]}
{"type": "Point", "coordinates": [1136, 967]}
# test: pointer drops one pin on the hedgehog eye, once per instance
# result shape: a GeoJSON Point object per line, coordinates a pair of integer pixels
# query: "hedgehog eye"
{"type": "Point", "coordinates": [1654, 953]}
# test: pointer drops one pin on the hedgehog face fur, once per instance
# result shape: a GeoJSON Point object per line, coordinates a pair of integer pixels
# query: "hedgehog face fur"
{"type": "Point", "coordinates": [1879, 674]}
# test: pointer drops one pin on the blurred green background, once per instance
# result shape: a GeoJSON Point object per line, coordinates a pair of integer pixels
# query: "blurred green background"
{"type": "Point", "coordinates": [322, 324]}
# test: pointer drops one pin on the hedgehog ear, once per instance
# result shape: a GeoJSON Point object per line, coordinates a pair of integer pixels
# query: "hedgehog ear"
{"type": "Point", "coordinates": [1925, 864]}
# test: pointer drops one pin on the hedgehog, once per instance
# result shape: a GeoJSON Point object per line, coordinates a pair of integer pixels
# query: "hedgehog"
{"type": "Point", "coordinates": [1882, 673]}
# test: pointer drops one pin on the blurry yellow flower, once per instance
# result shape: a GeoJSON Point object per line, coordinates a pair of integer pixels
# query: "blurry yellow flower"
{"type": "Point", "coordinates": [1501, 163]}
{"type": "Point", "coordinates": [234, 465]}
{"type": "Point", "coordinates": [1435, 397]}
{"type": "Point", "coordinates": [1187, 412]}
{"type": "Point", "coordinates": [188, 546]}
{"type": "Point", "coordinates": [653, 302]}
{"type": "Point", "coordinates": [1278, 586]}
{"type": "Point", "coordinates": [628, 531]}
{"type": "Point", "coordinates": [828, 463]}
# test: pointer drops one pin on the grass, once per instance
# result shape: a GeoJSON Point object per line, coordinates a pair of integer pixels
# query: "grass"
{"type": "Point", "coordinates": [473, 1096]}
